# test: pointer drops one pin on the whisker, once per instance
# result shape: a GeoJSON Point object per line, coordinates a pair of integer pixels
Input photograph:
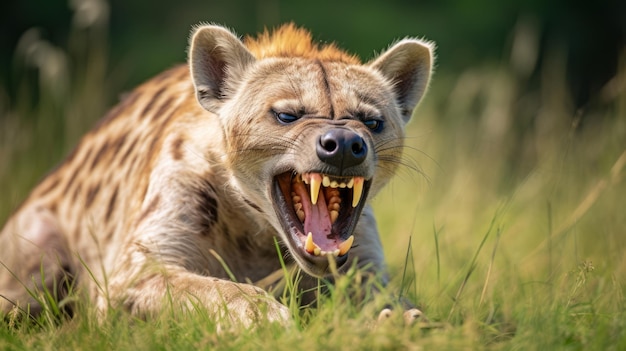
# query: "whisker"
{"type": "Point", "coordinates": [404, 163]}
{"type": "Point", "coordinates": [402, 148]}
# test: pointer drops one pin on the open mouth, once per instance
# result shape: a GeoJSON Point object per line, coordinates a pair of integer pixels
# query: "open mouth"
{"type": "Point", "coordinates": [319, 212]}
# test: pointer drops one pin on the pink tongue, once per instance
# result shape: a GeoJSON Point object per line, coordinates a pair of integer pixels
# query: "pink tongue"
{"type": "Point", "coordinates": [317, 219]}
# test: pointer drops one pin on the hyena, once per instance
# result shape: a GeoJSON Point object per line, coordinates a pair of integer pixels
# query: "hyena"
{"type": "Point", "coordinates": [196, 174]}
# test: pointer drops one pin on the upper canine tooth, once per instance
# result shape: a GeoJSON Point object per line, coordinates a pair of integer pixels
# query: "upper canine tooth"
{"type": "Point", "coordinates": [357, 190]}
{"type": "Point", "coordinates": [326, 181]}
{"type": "Point", "coordinates": [345, 246]}
{"type": "Point", "coordinates": [316, 182]}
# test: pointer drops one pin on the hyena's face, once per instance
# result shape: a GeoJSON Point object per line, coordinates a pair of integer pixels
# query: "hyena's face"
{"type": "Point", "coordinates": [308, 139]}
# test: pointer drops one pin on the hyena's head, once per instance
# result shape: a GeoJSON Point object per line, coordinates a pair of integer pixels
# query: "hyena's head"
{"type": "Point", "coordinates": [310, 132]}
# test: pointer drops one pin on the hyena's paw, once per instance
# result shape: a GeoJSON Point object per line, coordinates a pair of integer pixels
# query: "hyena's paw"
{"type": "Point", "coordinates": [247, 305]}
{"type": "Point", "coordinates": [410, 316]}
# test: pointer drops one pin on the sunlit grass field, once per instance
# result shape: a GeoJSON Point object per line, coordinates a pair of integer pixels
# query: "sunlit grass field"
{"type": "Point", "coordinates": [506, 223]}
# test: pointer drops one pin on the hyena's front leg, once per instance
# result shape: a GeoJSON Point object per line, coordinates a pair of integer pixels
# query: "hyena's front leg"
{"type": "Point", "coordinates": [167, 258]}
{"type": "Point", "coordinates": [154, 287]}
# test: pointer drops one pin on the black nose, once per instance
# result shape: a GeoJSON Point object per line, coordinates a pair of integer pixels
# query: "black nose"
{"type": "Point", "coordinates": [341, 148]}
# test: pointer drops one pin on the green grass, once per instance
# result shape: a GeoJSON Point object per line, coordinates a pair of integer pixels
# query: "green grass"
{"type": "Point", "coordinates": [506, 225]}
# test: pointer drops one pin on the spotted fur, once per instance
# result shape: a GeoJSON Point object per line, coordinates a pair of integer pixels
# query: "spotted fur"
{"type": "Point", "coordinates": [179, 180]}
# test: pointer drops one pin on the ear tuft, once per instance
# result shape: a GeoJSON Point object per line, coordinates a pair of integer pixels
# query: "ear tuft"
{"type": "Point", "coordinates": [408, 65]}
{"type": "Point", "coordinates": [217, 61]}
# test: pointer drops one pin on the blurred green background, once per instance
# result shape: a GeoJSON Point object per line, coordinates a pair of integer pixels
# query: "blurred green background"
{"type": "Point", "coordinates": [147, 36]}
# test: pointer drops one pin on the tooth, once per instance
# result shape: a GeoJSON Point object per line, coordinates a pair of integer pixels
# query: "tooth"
{"type": "Point", "coordinates": [334, 200]}
{"type": "Point", "coordinates": [342, 185]}
{"type": "Point", "coordinates": [336, 253]}
{"type": "Point", "coordinates": [296, 199]}
{"type": "Point", "coordinates": [316, 181]}
{"type": "Point", "coordinates": [333, 216]}
{"type": "Point", "coordinates": [305, 178]}
{"type": "Point", "coordinates": [297, 206]}
{"type": "Point", "coordinates": [350, 183]}
{"type": "Point", "coordinates": [334, 206]}
{"type": "Point", "coordinates": [334, 184]}
{"type": "Point", "coordinates": [326, 181]}
{"type": "Point", "coordinates": [317, 251]}
{"type": "Point", "coordinates": [345, 246]}
{"type": "Point", "coordinates": [300, 215]}
{"type": "Point", "coordinates": [309, 245]}
{"type": "Point", "coordinates": [357, 191]}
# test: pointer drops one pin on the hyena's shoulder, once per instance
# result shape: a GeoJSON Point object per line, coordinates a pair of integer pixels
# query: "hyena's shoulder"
{"type": "Point", "coordinates": [102, 181]}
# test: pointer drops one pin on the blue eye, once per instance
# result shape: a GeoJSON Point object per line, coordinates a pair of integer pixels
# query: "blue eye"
{"type": "Point", "coordinates": [286, 117]}
{"type": "Point", "coordinates": [374, 125]}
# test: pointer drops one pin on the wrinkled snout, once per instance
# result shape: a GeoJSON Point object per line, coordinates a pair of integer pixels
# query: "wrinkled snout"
{"type": "Point", "coordinates": [341, 148]}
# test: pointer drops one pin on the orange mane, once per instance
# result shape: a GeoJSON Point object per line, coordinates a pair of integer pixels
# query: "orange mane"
{"type": "Point", "coordinates": [291, 41]}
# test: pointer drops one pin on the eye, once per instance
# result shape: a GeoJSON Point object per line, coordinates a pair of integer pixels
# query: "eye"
{"type": "Point", "coordinates": [374, 125]}
{"type": "Point", "coordinates": [286, 117]}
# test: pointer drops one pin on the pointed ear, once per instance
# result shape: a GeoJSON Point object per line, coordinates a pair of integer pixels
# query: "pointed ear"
{"type": "Point", "coordinates": [217, 60]}
{"type": "Point", "coordinates": [408, 66]}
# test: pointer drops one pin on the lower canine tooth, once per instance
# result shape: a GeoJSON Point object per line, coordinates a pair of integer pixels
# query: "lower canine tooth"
{"type": "Point", "coordinates": [309, 245]}
{"type": "Point", "coordinates": [345, 246]}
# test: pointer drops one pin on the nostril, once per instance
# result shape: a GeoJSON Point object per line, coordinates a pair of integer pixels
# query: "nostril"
{"type": "Point", "coordinates": [357, 148]}
{"type": "Point", "coordinates": [329, 145]}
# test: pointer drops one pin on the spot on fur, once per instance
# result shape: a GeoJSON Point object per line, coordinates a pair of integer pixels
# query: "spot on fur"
{"type": "Point", "coordinates": [177, 151]}
{"type": "Point", "coordinates": [207, 207]}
